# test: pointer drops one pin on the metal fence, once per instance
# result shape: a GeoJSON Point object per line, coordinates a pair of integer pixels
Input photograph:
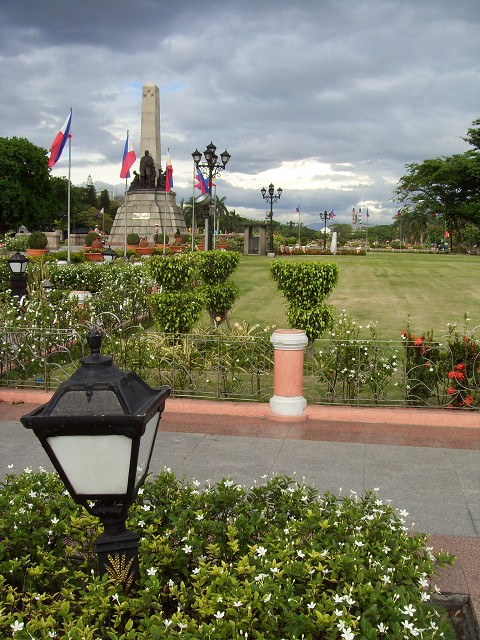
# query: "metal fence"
{"type": "Point", "coordinates": [236, 367]}
{"type": "Point", "coordinates": [407, 373]}
{"type": "Point", "coordinates": [404, 373]}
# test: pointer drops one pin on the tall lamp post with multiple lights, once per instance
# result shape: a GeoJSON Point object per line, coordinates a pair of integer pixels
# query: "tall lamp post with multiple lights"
{"type": "Point", "coordinates": [210, 168]}
{"type": "Point", "coordinates": [271, 197]}
{"type": "Point", "coordinates": [324, 216]}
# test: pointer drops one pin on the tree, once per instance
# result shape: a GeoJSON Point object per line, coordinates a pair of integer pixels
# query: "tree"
{"type": "Point", "coordinates": [91, 193]}
{"type": "Point", "coordinates": [448, 187]}
{"type": "Point", "coordinates": [24, 185]}
{"type": "Point", "coordinates": [104, 201]}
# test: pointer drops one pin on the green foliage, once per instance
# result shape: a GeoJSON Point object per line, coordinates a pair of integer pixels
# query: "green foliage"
{"type": "Point", "coordinates": [90, 237]}
{"type": "Point", "coordinates": [305, 285]}
{"type": "Point", "coordinates": [25, 196]}
{"type": "Point", "coordinates": [16, 243]}
{"type": "Point", "coordinates": [176, 312]}
{"type": "Point", "coordinates": [215, 267]}
{"type": "Point", "coordinates": [273, 561]}
{"type": "Point", "coordinates": [133, 239]}
{"type": "Point", "coordinates": [219, 299]}
{"type": "Point", "coordinates": [173, 272]}
{"type": "Point", "coordinates": [37, 240]}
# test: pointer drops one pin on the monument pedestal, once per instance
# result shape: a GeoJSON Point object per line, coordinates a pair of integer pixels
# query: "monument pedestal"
{"type": "Point", "coordinates": [147, 211]}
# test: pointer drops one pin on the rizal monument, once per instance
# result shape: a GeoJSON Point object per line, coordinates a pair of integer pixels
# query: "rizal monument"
{"type": "Point", "coordinates": [148, 208]}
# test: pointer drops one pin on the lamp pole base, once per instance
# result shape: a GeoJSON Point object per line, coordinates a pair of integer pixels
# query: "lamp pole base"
{"type": "Point", "coordinates": [118, 555]}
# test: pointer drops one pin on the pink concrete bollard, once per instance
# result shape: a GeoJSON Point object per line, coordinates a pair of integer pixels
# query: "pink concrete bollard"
{"type": "Point", "coordinates": [288, 397]}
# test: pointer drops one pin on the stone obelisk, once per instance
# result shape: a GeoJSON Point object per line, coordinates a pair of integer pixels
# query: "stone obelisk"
{"type": "Point", "coordinates": [150, 131]}
{"type": "Point", "coordinates": [148, 209]}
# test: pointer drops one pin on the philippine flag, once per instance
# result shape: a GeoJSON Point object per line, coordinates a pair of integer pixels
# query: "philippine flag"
{"type": "Point", "coordinates": [202, 183]}
{"type": "Point", "coordinates": [168, 174]}
{"type": "Point", "coordinates": [59, 142]}
{"type": "Point", "coordinates": [298, 209]}
{"type": "Point", "coordinates": [129, 158]}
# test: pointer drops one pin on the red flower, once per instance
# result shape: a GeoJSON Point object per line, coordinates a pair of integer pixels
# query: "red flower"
{"type": "Point", "coordinates": [458, 375]}
{"type": "Point", "coordinates": [469, 400]}
{"type": "Point", "coordinates": [418, 341]}
{"type": "Point", "coordinates": [460, 366]}
{"type": "Point", "coordinates": [450, 391]}
{"type": "Point", "coordinates": [404, 334]}
{"type": "Point", "coordinates": [451, 374]}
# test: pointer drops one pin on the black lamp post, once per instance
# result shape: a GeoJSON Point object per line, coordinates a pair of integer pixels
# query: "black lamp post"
{"type": "Point", "coordinates": [109, 255]}
{"type": "Point", "coordinates": [324, 216]}
{"type": "Point", "coordinates": [99, 431]}
{"type": "Point", "coordinates": [211, 168]}
{"type": "Point", "coordinates": [271, 197]}
{"type": "Point", "coordinates": [18, 264]}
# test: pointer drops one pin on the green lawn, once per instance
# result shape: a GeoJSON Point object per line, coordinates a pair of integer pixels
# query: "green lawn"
{"type": "Point", "coordinates": [430, 289]}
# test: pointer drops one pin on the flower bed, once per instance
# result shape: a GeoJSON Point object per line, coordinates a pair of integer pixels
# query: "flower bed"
{"type": "Point", "coordinates": [274, 561]}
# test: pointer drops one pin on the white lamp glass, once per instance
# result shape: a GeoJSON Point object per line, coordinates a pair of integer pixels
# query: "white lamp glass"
{"type": "Point", "coordinates": [94, 465]}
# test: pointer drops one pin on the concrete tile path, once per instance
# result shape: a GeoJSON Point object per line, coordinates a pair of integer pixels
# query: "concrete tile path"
{"type": "Point", "coordinates": [424, 461]}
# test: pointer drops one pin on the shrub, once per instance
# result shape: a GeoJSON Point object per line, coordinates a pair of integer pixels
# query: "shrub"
{"type": "Point", "coordinates": [274, 561]}
{"type": "Point", "coordinates": [90, 237]}
{"type": "Point", "coordinates": [37, 240]}
{"type": "Point", "coordinates": [305, 285]}
{"type": "Point", "coordinates": [133, 239]}
{"type": "Point", "coordinates": [176, 312]}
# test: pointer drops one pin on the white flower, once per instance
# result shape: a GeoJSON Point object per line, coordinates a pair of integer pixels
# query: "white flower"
{"type": "Point", "coordinates": [237, 603]}
{"type": "Point", "coordinates": [182, 625]}
{"type": "Point", "coordinates": [347, 634]}
{"type": "Point", "coordinates": [261, 551]}
{"type": "Point", "coordinates": [200, 516]}
{"type": "Point", "coordinates": [116, 598]}
{"type": "Point", "coordinates": [300, 554]}
{"type": "Point", "coordinates": [54, 520]}
{"type": "Point", "coordinates": [52, 634]}
{"type": "Point", "coordinates": [267, 597]}
{"type": "Point", "coordinates": [409, 610]}
{"type": "Point", "coordinates": [152, 571]}
{"type": "Point", "coordinates": [382, 628]}
{"type": "Point", "coordinates": [167, 623]}
{"type": "Point", "coordinates": [409, 627]}
{"type": "Point", "coordinates": [311, 605]}
{"type": "Point", "coordinates": [196, 570]}
{"type": "Point", "coordinates": [219, 614]}
{"type": "Point", "coordinates": [187, 548]}
{"type": "Point", "coordinates": [17, 626]}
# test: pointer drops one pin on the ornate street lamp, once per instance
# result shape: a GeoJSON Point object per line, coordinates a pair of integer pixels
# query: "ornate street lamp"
{"type": "Point", "coordinates": [99, 430]}
{"type": "Point", "coordinates": [109, 255]}
{"type": "Point", "coordinates": [271, 197]}
{"type": "Point", "coordinates": [18, 264]}
{"type": "Point", "coordinates": [211, 168]}
{"type": "Point", "coordinates": [324, 216]}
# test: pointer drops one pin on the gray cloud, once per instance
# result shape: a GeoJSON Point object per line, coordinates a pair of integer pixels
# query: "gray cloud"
{"type": "Point", "coordinates": [362, 87]}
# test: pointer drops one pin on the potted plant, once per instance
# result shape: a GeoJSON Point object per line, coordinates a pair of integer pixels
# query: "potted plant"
{"type": "Point", "coordinates": [93, 247]}
{"type": "Point", "coordinates": [143, 248]}
{"type": "Point", "coordinates": [178, 237]}
{"type": "Point", "coordinates": [37, 244]}
{"type": "Point", "coordinates": [133, 240]}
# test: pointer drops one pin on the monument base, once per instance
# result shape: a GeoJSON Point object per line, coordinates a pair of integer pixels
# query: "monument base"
{"type": "Point", "coordinates": [147, 211]}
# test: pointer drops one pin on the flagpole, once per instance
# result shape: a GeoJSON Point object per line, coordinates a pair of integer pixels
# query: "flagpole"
{"type": "Point", "coordinates": [165, 208]}
{"type": "Point", "coordinates": [125, 226]}
{"type": "Point", "coordinates": [298, 226]}
{"type": "Point", "coordinates": [68, 190]}
{"type": "Point", "coordinates": [193, 209]}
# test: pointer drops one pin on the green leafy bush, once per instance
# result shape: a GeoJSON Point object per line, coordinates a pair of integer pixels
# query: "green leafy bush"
{"type": "Point", "coordinates": [176, 312]}
{"type": "Point", "coordinates": [215, 268]}
{"type": "Point", "coordinates": [133, 239]}
{"type": "Point", "coordinates": [37, 240]}
{"type": "Point", "coordinates": [275, 561]}
{"type": "Point", "coordinates": [305, 285]}
{"type": "Point", "coordinates": [172, 273]}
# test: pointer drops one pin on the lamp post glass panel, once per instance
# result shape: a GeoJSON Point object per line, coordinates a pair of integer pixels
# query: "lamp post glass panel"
{"type": "Point", "coordinates": [210, 168]}
{"type": "Point", "coordinates": [324, 216]}
{"type": "Point", "coordinates": [271, 197]}
{"type": "Point", "coordinates": [99, 430]}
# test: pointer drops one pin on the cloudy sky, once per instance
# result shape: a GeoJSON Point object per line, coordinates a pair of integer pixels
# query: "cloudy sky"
{"type": "Point", "coordinates": [328, 99]}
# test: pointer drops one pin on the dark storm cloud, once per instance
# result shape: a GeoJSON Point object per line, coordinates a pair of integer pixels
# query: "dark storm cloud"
{"type": "Point", "coordinates": [361, 88]}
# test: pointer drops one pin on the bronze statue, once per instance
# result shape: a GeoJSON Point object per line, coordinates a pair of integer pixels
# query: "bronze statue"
{"type": "Point", "coordinates": [161, 180]}
{"type": "Point", "coordinates": [135, 182]}
{"type": "Point", "coordinates": [147, 172]}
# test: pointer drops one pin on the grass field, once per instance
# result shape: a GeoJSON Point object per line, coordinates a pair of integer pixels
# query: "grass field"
{"type": "Point", "coordinates": [430, 289]}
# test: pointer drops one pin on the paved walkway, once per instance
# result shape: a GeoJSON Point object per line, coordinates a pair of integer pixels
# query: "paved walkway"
{"type": "Point", "coordinates": [424, 461]}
